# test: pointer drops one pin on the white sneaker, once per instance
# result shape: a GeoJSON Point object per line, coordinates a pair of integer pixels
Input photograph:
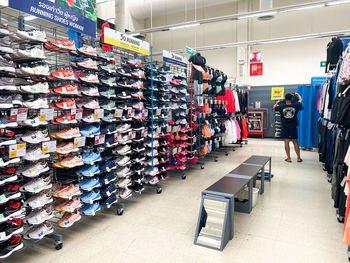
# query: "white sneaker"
{"type": "Point", "coordinates": [125, 193]}
{"type": "Point", "coordinates": [122, 161]}
{"type": "Point", "coordinates": [4, 163]}
{"type": "Point", "coordinates": [33, 170]}
{"type": "Point", "coordinates": [123, 183]}
{"type": "Point", "coordinates": [123, 127]}
{"type": "Point", "coordinates": [35, 122]}
{"type": "Point", "coordinates": [39, 200]}
{"type": "Point", "coordinates": [122, 150]}
{"type": "Point", "coordinates": [37, 185]}
{"type": "Point", "coordinates": [38, 70]}
{"type": "Point", "coordinates": [39, 216]}
{"type": "Point", "coordinates": [92, 104]}
{"type": "Point", "coordinates": [35, 154]}
{"type": "Point", "coordinates": [32, 53]}
{"type": "Point", "coordinates": [122, 171]}
{"type": "Point", "coordinates": [36, 104]}
{"type": "Point", "coordinates": [36, 88]}
{"type": "Point", "coordinates": [35, 136]}
{"type": "Point", "coordinates": [32, 35]}
{"type": "Point", "coordinates": [38, 232]}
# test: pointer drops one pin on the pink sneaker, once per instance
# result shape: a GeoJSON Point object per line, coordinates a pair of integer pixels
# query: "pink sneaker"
{"type": "Point", "coordinates": [66, 147]}
{"type": "Point", "coordinates": [71, 205]}
{"type": "Point", "coordinates": [68, 192]}
{"type": "Point", "coordinates": [72, 161]}
{"type": "Point", "coordinates": [69, 219]}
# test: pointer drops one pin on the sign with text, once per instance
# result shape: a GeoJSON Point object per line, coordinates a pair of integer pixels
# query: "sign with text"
{"type": "Point", "coordinates": [190, 51]}
{"type": "Point", "coordinates": [277, 93]}
{"type": "Point", "coordinates": [256, 69]}
{"type": "Point", "coordinates": [68, 17]}
{"type": "Point", "coordinates": [118, 39]}
{"type": "Point", "coordinates": [170, 57]}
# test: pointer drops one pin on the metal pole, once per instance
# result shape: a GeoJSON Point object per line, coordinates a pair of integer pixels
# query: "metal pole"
{"type": "Point", "coordinates": [152, 103]}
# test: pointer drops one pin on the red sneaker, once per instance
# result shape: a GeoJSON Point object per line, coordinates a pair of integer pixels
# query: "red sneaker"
{"type": "Point", "coordinates": [66, 90]}
{"type": "Point", "coordinates": [64, 44]}
{"type": "Point", "coordinates": [64, 74]}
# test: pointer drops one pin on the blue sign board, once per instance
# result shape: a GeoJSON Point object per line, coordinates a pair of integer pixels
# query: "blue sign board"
{"type": "Point", "coordinates": [57, 14]}
{"type": "Point", "coordinates": [318, 80]}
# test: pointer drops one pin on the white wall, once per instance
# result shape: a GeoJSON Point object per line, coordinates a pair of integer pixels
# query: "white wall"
{"type": "Point", "coordinates": [284, 63]}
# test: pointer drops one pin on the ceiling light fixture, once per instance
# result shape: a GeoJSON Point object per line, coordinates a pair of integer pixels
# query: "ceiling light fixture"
{"type": "Point", "coordinates": [270, 13]}
{"type": "Point", "coordinates": [338, 2]}
{"type": "Point", "coordinates": [135, 35]}
{"type": "Point", "coordinates": [29, 18]}
{"type": "Point", "coordinates": [184, 26]}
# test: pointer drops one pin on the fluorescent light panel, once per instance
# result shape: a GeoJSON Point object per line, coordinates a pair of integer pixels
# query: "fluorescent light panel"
{"type": "Point", "coordinates": [29, 18]}
{"type": "Point", "coordinates": [338, 2]}
{"type": "Point", "coordinates": [258, 15]}
{"type": "Point", "coordinates": [184, 26]}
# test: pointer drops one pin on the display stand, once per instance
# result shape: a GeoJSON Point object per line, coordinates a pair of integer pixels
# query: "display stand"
{"type": "Point", "coordinates": [261, 161]}
{"type": "Point", "coordinates": [251, 170]}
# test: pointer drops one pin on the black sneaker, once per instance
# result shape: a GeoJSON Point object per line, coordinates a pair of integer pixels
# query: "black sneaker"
{"type": "Point", "coordinates": [138, 188]}
{"type": "Point", "coordinates": [7, 175]}
{"type": "Point", "coordinates": [138, 126]}
{"type": "Point", "coordinates": [14, 227]}
{"type": "Point", "coordinates": [124, 95]}
{"type": "Point", "coordinates": [108, 178]}
{"type": "Point", "coordinates": [8, 193]}
{"type": "Point", "coordinates": [136, 177]}
{"type": "Point", "coordinates": [138, 168]}
{"type": "Point", "coordinates": [12, 209]}
{"type": "Point", "coordinates": [7, 248]}
{"type": "Point", "coordinates": [125, 83]}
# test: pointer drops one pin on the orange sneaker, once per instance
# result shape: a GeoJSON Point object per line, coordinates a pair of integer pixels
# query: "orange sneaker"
{"type": "Point", "coordinates": [60, 203]}
{"type": "Point", "coordinates": [64, 74]}
{"type": "Point", "coordinates": [65, 119]}
{"type": "Point", "coordinates": [71, 205]}
{"type": "Point", "coordinates": [64, 104]}
{"type": "Point", "coordinates": [56, 193]}
{"type": "Point", "coordinates": [68, 133]}
{"type": "Point", "coordinates": [69, 219]}
{"type": "Point", "coordinates": [69, 192]}
{"type": "Point", "coordinates": [64, 44]}
{"type": "Point", "coordinates": [72, 161]}
{"type": "Point", "coordinates": [65, 148]}
{"type": "Point", "coordinates": [66, 90]}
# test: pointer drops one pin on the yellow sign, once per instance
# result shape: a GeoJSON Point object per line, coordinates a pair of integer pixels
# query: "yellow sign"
{"type": "Point", "coordinates": [277, 93]}
{"type": "Point", "coordinates": [125, 41]}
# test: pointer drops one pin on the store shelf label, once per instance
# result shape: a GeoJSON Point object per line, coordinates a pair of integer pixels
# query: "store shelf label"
{"type": "Point", "coordinates": [98, 113]}
{"type": "Point", "coordinates": [79, 141]}
{"type": "Point", "coordinates": [100, 139]}
{"type": "Point", "coordinates": [118, 113]}
{"type": "Point", "coordinates": [132, 135]}
{"type": "Point", "coordinates": [77, 113]}
{"type": "Point", "coordinates": [144, 133]}
{"type": "Point", "coordinates": [49, 147]}
{"type": "Point", "coordinates": [46, 114]}
{"type": "Point", "coordinates": [131, 113]}
{"type": "Point", "coordinates": [117, 136]}
{"type": "Point", "coordinates": [17, 150]}
{"type": "Point", "coordinates": [18, 114]}
{"type": "Point", "coordinates": [158, 112]}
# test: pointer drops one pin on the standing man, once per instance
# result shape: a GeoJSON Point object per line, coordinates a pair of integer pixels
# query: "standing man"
{"type": "Point", "coordinates": [289, 123]}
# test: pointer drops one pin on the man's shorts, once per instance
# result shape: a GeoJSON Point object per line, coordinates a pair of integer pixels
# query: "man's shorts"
{"type": "Point", "coordinates": [290, 133]}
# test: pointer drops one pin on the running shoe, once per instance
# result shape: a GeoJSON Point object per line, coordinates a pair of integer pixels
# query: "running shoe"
{"type": "Point", "coordinates": [125, 193]}
{"type": "Point", "coordinates": [65, 119]}
{"type": "Point", "coordinates": [36, 104]}
{"type": "Point", "coordinates": [91, 157]}
{"type": "Point", "coordinates": [36, 53]}
{"type": "Point", "coordinates": [35, 137]}
{"type": "Point", "coordinates": [108, 190]}
{"type": "Point", "coordinates": [36, 70]}
{"type": "Point", "coordinates": [71, 161]}
{"type": "Point", "coordinates": [109, 82]}
{"type": "Point", "coordinates": [108, 105]}
{"type": "Point", "coordinates": [90, 91]}
{"type": "Point", "coordinates": [12, 245]}
{"type": "Point", "coordinates": [67, 191]}
{"type": "Point", "coordinates": [7, 175]}
{"type": "Point", "coordinates": [66, 134]}
{"type": "Point", "coordinates": [91, 78]}
{"type": "Point", "coordinates": [107, 165]}
{"type": "Point", "coordinates": [138, 74]}
{"type": "Point", "coordinates": [88, 50]}
{"type": "Point", "coordinates": [37, 185]}
{"type": "Point", "coordinates": [90, 210]}
{"type": "Point", "coordinates": [71, 205]}
{"type": "Point", "coordinates": [66, 90]}
{"type": "Point", "coordinates": [38, 88]}
{"type": "Point", "coordinates": [39, 232]}
{"type": "Point", "coordinates": [39, 200]}
{"type": "Point", "coordinates": [89, 183]}
{"type": "Point", "coordinates": [64, 44]}
{"type": "Point", "coordinates": [109, 201]}
{"type": "Point", "coordinates": [66, 104]}
{"type": "Point", "coordinates": [8, 193]}
{"type": "Point", "coordinates": [64, 74]}
{"type": "Point", "coordinates": [35, 154]}
{"type": "Point", "coordinates": [90, 131]}
{"type": "Point", "coordinates": [90, 197]}
{"type": "Point", "coordinates": [109, 93]}
{"type": "Point", "coordinates": [108, 178]}
{"type": "Point", "coordinates": [88, 64]}
{"type": "Point", "coordinates": [13, 227]}
{"type": "Point", "coordinates": [34, 35]}
{"type": "Point", "coordinates": [8, 84]}
{"type": "Point", "coordinates": [39, 216]}
{"type": "Point", "coordinates": [68, 219]}
{"type": "Point", "coordinates": [110, 68]}
{"type": "Point", "coordinates": [108, 56]}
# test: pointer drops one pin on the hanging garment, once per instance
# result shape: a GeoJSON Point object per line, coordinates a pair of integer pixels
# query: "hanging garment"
{"type": "Point", "coordinates": [228, 136]}
{"type": "Point", "coordinates": [334, 52]}
{"type": "Point", "coordinates": [234, 131]}
{"type": "Point", "coordinates": [238, 130]}
{"type": "Point", "coordinates": [308, 117]}
{"type": "Point", "coordinates": [237, 107]}
{"type": "Point", "coordinates": [245, 129]}
{"type": "Point", "coordinates": [105, 47]}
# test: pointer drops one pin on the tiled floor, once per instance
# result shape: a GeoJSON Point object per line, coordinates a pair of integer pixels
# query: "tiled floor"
{"type": "Point", "coordinates": [293, 221]}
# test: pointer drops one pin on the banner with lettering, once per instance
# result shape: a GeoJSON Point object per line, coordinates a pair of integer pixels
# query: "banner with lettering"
{"type": "Point", "coordinates": [173, 58]}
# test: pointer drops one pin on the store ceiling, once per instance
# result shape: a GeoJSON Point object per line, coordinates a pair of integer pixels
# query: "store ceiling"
{"type": "Point", "coordinates": [141, 9]}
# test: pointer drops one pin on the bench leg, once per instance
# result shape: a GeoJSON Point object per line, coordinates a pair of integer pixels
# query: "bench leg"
{"type": "Point", "coordinates": [262, 187]}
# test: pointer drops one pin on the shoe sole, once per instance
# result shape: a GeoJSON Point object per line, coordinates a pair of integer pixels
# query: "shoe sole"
{"type": "Point", "coordinates": [71, 222]}
{"type": "Point", "coordinates": [9, 142]}
{"type": "Point", "coordinates": [20, 246]}
{"type": "Point", "coordinates": [16, 195]}
{"type": "Point", "coordinates": [10, 88]}
{"type": "Point", "coordinates": [19, 212]}
{"type": "Point", "coordinates": [9, 125]}
{"type": "Point", "coordinates": [18, 231]}
{"type": "Point", "coordinates": [8, 180]}
{"type": "Point", "coordinates": [6, 105]}
{"type": "Point", "coordinates": [15, 160]}
{"type": "Point", "coordinates": [31, 175]}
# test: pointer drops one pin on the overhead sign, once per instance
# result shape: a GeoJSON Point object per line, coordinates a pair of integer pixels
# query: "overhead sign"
{"type": "Point", "coordinates": [55, 13]}
{"type": "Point", "coordinates": [277, 93]}
{"type": "Point", "coordinates": [125, 41]}
{"type": "Point", "coordinates": [173, 58]}
{"type": "Point", "coordinates": [256, 69]}
{"type": "Point", "coordinates": [190, 51]}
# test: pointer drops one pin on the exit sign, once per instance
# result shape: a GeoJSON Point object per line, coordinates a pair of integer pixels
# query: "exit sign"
{"type": "Point", "coordinates": [190, 51]}
{"type": "Point", "coordinates": [323, 64]}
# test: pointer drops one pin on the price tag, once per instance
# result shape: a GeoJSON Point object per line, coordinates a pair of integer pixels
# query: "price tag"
{"type": "Point", "coordinates": [132, 135]}
{"type": "Point", "coordinates": [145, 112]}
{"type": "Point", "coordinates": [144, 133]}
{"type": "Point", "coordinates": [17, 150]}
{"type": "Point", "coordinates": [100, 139]}
{"type": "Point", "coordinates": [211, 101]}
{"type": "Point", "coordinates": [118, 113]}
{"type": "Point", "coordinates": [117, 136]}
{"type": "Point", "coordinates": [18, 114]}
{"type": "Point", "coordinates": [79, 141]}
{"type": "Point", "coordinates": [131, 113]}
{"type": "Point", "coordinates": [158, 112]}
{"type": "Point", "coordinates": [215, 101]}
{"type": "Point", "coordinates": [159, 129]}
{"type": "Point", "coordinates": [46, 114]}
{"type": "Point", "coordinates": [77, 114]}
{"type": "Point", "coordinates": [168, 128]}
{"type": "Point", "coordinates": [49, 147]}
{"type": "Point", "coordinates": [99, 113]}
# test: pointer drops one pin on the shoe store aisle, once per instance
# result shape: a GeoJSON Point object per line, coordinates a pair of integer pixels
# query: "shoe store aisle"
{"type": "Point", "coordinates": [293, 221]}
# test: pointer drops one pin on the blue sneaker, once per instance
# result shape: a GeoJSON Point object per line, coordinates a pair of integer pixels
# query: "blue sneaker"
{"type": "Point", "coordinates": [111, 141]}
{"type": "Point", "coordinates": [90, 197]}
{"type": "Point", "coordinates": [108, 190]}
{"type": "Point", "coordinates": [109, 128]}
{"type": "Point", "coordinates": [107, 202]}
{"type": "Point", "coordinates": [90, 210]}
{"type": "Point", "coordinates": [89, 184]}
{"type": "Point", "coordinates": [91, 157]}
{"type": "Point", "coordinates": [108, 178]}
{"type": "Point", "coordinates": [90, 130]}
{"type": "Point", "coordinates": [107, 165]}
{"type": "Point", "coordinates": [88, 170]}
